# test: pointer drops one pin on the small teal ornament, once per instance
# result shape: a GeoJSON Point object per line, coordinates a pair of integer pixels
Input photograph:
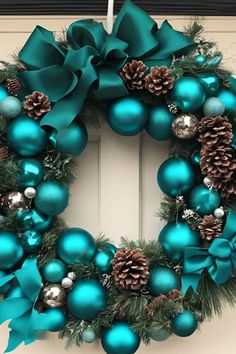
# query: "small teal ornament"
{"type": "Point", "coordinates": [120, 338]}
{"type": "Point", "coordinates": [213, 107]}
{"type": "Point", "coordinates": [87, 298]}
{"type": "Point", "coordinates": [76, 245]}
{"type": "Point", "coordinates": [51, 198]}
{"type": "Point", "coordinates": [57, 319]}
{"type": "Point", "coordinates": [200, 59]}
{"type": "Point", "coordinates": [175, 237]}
{"type": "Point", "coordinates": [31, 241]}
{"type": "Point", "coordinates": [11, 250]}
{"type": "Point", "coordinates": [160, 334]}
{"type": "Point", "coordinates": [162, 280]}
{"type": "Point", "coordinates": [26, 137]}
{"type": "Point", "coordinates": [211, 83]}
{"type": "Point", "coordinates": [15, 292]}
{"type": "Point", "coordinates": [127, 116]}
{"type": "Point", "coordinates": [188, 94]}
{"type": "Point", "coordinates": [88, 335]}
{"type": "Point", "coordinates": [31, 173]}
{"type": "Point", "coordinates": [10, 107]}
{"type": "Point", "coordinates": [184, 324]}
{"type": "Point", "coordinates": [54, 271]}
{"type": "Point", "coordinates": [176, 176]}
{"type": "Point", "coordinates": [109, 246]}
{"type": "Point", "coordinates": [102, 260]}
{"type": "Point", "coordinates": [6, 287]}
{"type": "Point", "coordinates": [3, 93]}
{"type": "Point", "coordinates": [229, 99]}
{"type": "Point", "coordinates": [204, 200]}
{"type": "Point", "coordinates": [33, 220]}
{"type": "Point", "coordinates": [196, 157]}
{"type": "Point", "coordinates": [160, 122]}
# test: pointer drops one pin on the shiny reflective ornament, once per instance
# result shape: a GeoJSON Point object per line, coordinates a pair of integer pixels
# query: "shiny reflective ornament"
{"type": "Point", "coordinates": [196, 157]}
{"type": "Point", "coordinates": [219, 213]}
{"type": "Point", "coordinates": [15, 201]}
{"type": "Point", "coordinates": [71, 275]}
{"type": "Point", "coordinates": [87, 298]}
{"type": "Point", "coordinates": [213, 106]}
{"type": "Point", "coordinates": [54, 271]}
{"type": "Point", "coordinates": [102, 260]}
{"type": "Point", "coordinates": [120, 338]}
{"type": "Point", "coordinates": [57, 319]}
{"type": "Point", "coordinates": [26, 137]}
{"type": "Point", "coordinates": [160, 334]}
{"type": "Point", "coordinates": [185, 126]}
{"type": "Point", "coordinates": [112, 248]}
{"type": "Point", "coordinates": [211, 83]}
{"type": "Point", "coordinates": [67, 283]}
{"type": "Point", "coordinates": [3, 93]}
{"type": "Point", "coordinates": [162, 280]}
{"type": "Point", "coordinates": [88, 335]}
{"type": "Point", "coordinates": [229, 99]}
{"type": "Point", "coordinates": [127, 116]}
{"type": "Point", "coordinates": [31, 241]}
{"type": "Point", "coordinates": [159, 123]}
{"type": "Point", "coordinates": [207, 182]}
{"type": "Point", "coordinates": [176, 176]}
{"type": "Point", "coordinates": [200, 59]}
{"type": "Point", "coordinates": [31, 173]}
{"type": "Point", "coordinates": [204, 200]}
{"type": "Point", "coordinates": [6, 287]}
{"type": "Point", "coordinates": [175, 237]}
{"type": "Point", "coordinates": [51, 198]}
{"type": "Point", "coordinates": [10, 107]}
{"type": "Point", "coordinates": [33, 220]}
{"type": "Point", "coordinates": [184, 324]}
{"type": "Point", "coordinates": [76, 245]}
{"type": "Point", "coordinates": [30, 192]}
{"type": "Point", "coordinates": [54, 295]}
{"type": "Point", "coordinates": [188, 94]}
{"type": "Point", "coordinates": [11, 250]}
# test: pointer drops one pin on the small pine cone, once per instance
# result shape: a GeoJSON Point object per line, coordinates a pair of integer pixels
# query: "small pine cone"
{"type": "Point", "coordinates": [13, 86]}
{"type": "Point", "coordinates": [215, 130]}
{"type": "Point", "coordinates": [174, 295]}
{"type": "Point", "coordinates": [159, 81]}
{"type": "Point", "coordinates": [226, 188]}
{"type": "Point", "coordinates": [210, 227]}
{"type": "Point", "coordinates": [133, 74]}
{"type": "Point", "coordinates": [130, 269]}
{"type": "Point", "coordinates": [36, 105]}
{"type": "Point", "coordinates": [3, 152]}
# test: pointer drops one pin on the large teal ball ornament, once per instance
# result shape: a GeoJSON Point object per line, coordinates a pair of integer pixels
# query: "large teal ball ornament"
{"type": "Point", "coordinates": [11, 250]}
{"type": "Point", "coordinates": [3, 93]}
{"type": "Point", "coordinates": [211, 83]}
{"type": "Point", "coordinates": [6, 287]}
{"type": "Point", "coordinates": [200, 59]}
{"type": "Point", "coordinates": [51, 198]}
{"type": "Point", "coordinates": [54, 271]}
{"type": "Point", "coordinates": [160, 122]}
{"type": "Point", "coordinates": [10, 107]}
{"type": "Point", "coordinates": [88, 335]}
{"type": "Point", "coordinates": [160, 334]}
{"type": "Point", "coordinates": [175, 237]}
{"type": "Point", "coordinates": [229, 99]}
{"type": "Point", "coordinates": [102, 260]}
{"type": "Point", "coordinates": [127, 116]}
{"type": "Point", "coordinates": [31, 241]}
{"type": "Point", "coordinates": [162, 280]}
{"type": "Point", "coordinates": [76, 245]}
{"type": "Point", "coordinates": [204, 200]}
{"type": "Point", "coordinates": [176, 176]}
{"type": "Point", "coordinates": [26, 137]}
{"type": "Point", "coordinates": [57, 319]}
{"type": "Point", "coordinates": [213, 106]}
{"type": "Point", "coordinates": [120, 338]}
{"type": "Point", "coordinates": [87, 298]}
{"type": "Point", "coordinates": [184, 323]}
{"type": "Point", "coordinates": [33, 220]}
{"type": "Point", "coordinates": [188, 94]}
{"type": "Point", "coordinates": [31, 172]}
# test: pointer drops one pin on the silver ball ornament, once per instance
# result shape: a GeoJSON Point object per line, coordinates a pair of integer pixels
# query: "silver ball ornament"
{"type": "Point", "coordinates": [30, 192]}
{"type": "Point", "coordinates": [185, 126]}
{"type": "Point", "coordinates": [54, 295]}
{"type": "Point", "coordinates": [67, 283]}
{"type": "Point", "coordinates": [207, 182]}
{"type": "Point", "coordinates": [219, 213]}
{"type": "Point", "coordinates": [15, 201]}
{"type": "Point", "coordinates": [71, 275]}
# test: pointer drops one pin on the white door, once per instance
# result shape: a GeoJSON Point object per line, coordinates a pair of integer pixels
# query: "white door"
{"type": "Point", "coordinates": [116, 192]}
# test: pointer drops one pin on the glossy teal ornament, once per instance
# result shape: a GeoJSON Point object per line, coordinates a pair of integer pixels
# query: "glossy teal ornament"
{"type": "Point", "coordinates": [26, 137]}
{"type": "Point", "coordinates": [102, 260]}
{"type": "Point", "coordinates": [76, 245]}
{"type": "Point", "coordinates": [162, 280]}
{"type": "Point", "coordinates": [188, 94]}
{"type": "Point", "coordinates": [120, 338]}
{"type": "Point", "coordinates": [175, 237]}
{"type": "Point", "coordinates": [33, 220]}
{"type": "Point", "coordinates": [11, 250]}
{"type": "Point", "coordinates": [213, 106]}
{"type": "Point", "coordinates": [204, 200]}
{"type": "Point", "coordinates": [6, 287]}
{"type": "Point", "coordinates": [3, 93]}
{"type": "Point", "coordinates": [88, 335]}
{"type": "Point", "coordinates": [31, 172]}
{"type": "Point", "coordinates": [176, 176]}
{"type": "Point", "coordinates": [211, 83]}
{"type": "Point", "coordinates": [229, 99]}
{"type": "Point", "coordinates": [109, 246]}
{"type": "Point", "coordinates": [57, 320]}
{"type": "Point", "coordinates": [160, 334]}
{"type": "Point", "coordinates": [160, 122]}
{"type": "Point", "coordinates": [200, 59]}
{"type": "Point", "coordinates": [31, 241]}
{"type": "Point", "coordinates": [10, 107]}
{"type": "Point", "coordinates": [184, 324]}
{"type": "Point", "coordinates": [51, 198]}
{"type": "Point", "coordinates": [196, 157]}
{"type": "Point", "coordinates": [54, 271]}
{"type": "Point", "coordinates": [86, 299]}
{"type": "Point", "coordinates": [127, 116]}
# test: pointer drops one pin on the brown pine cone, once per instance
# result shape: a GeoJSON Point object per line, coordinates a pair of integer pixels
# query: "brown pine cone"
{"type": "Point", "coordinates": [13, 86]}
{"type": "Point", "coordinates": [159, 80]}
{"type": "Point", "coordinates": [133, 74]}
{"type": "Point", "coordinates": [3, 152]}
{"type": "Point", "coordinates": [210, 227]}
{"type": "Point", "coordinates": [215, 130]}
{"type": "Point", "coordinates": [226, 188]}
{"type": "Point", "coordinates": [36, 105]}
{"type": "Point", "coordinates": [130, 269]}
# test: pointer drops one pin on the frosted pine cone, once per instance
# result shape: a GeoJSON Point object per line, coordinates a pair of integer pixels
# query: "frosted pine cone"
{"type": "Point", "coordinates": [210, 227]}
{"type": "Point", "coordinates": [159, 81]}
{"type": "Point", "coordinates": [133, 74]}
{"type": "Point", "coordinates": [36, 105]}
{"type": "Point", "coordinates": [215, 130]}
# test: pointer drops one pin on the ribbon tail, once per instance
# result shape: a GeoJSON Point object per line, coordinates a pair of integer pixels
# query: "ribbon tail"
{"type": "Point", "coordinates": [190, 281]}
{"type": "Point", "coordinates": [13, 342]}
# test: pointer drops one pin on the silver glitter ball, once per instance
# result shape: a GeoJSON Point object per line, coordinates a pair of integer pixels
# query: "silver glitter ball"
{"type": "Point", "coordinates": [207, 182]}
{"type": "Point", "coordinates": [71, 275]}
{"type": "Point", "coordinates": [15, 201]}
{"type": "Point", "coordinates": [67, 283]}
{"type": "Point", "coordinates": [219, 213]}
{"type": "Point", "coordinates": [185, 126]}
{"type": "Point", "coordinates": [30, 192]}
{"type": "Point", "coordinates": [54, 295]}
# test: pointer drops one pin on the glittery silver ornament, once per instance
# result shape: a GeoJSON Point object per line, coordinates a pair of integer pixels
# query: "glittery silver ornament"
{"type": "Point", "coordinates": [185, 126]}
{"type": "Point", "coordinates": [219, 213]}
{"type": "Point", "coordinates": [71, 275]}
{"type": "Point", "coordinates": [67, 283]}
{"type": "Point", "coordinates": [208, 182]}
{"type": "Point", "coordinates": [15, 201]}
{"type": "Point", "coordinates": [30, 192]}
{"type": "Point", "coordinates": [54, 295]}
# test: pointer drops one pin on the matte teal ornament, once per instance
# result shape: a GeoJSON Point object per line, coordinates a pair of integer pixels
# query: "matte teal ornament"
{"type": "Point", "coordinates": [160, 334]}
{"type": "Point", "coordinates": [11, 250]}
{"type": "Point", "coordinates": [51, 198]}
{"type": "Point", "coordinates": [211, 83]}
{"type": "Point", "coordinates": [102, 260]}
{"type": "Point", "coordinates": [184, 324]}
{"type": "Point", "coordinates": [120, 338]}
{"type": "Point", "coordinates": [15, 292]}
{"type": "Point", "coordinates": [175, 237]}
{"type": "Point", "coordinates": [31, 241]}
{"type": "Point", "coordinates": [2, 218]}
{"type": "Point", "coordinates": [76, 245]}
{"type": "Point", "coordinates": [33, 220]}
{"type": "Point", "coordinates": [31, 172]}
{"type": "Point", "coordinates": [200, 59]}
{"type": "Point", "coordinates": [26, 137]}
{"type": "Point", "coordinates": [86, 299]}
{"type": "Point", "coordinates": [6, 287]}
{"type": "Point", "coordinates": [88, 335]}
{"type": "Point", "coordinates": [57, 319]}
{"type": "Point", "coordinates": [54, 271]}
{"type": "Point", "coordinates": [160, 122]}
{"type": "Point", "coordinates": [213, 106]}
{"type": "Point", "coordinates": [176, 176]}
{"type": "Point", "coordinates": [3, 93]}
{"type": "Point", "coordinates": [188, 94]}
{"type": "Point", "coordinates": [204, 200]}
{"type": "Point", "coordinates": [162, 280]}
{"type": "Point", "coordinates": [196, 157]}
{"type": "Point", "coordinates": [127, 116]}
{"type": "Point", "coordinates": [229, 99]}
{"type": "Point", "coordinates": [10, 107]}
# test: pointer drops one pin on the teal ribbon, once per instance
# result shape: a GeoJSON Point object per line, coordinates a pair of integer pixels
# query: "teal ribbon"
{"type": "Point", "coordinates": [219, 260]}
{"type": "Point", "coordinates": [25, 320]}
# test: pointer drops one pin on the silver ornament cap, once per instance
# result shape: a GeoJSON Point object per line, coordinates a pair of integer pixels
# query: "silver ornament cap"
{"type": "Point", "coordinates": [185, 126]}
{"type": "Point", "coordinates": [208, 182]}
{"type": "Point", "coordinates": [67, 283]}
{"type": "Point", "coordinates": [30, 192]}
{"type": "Point", "coordinates": [219, 213]}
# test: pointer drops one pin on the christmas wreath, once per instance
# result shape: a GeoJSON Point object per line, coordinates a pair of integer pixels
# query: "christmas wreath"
{"type": "Point", "coordinates": [55, 278]}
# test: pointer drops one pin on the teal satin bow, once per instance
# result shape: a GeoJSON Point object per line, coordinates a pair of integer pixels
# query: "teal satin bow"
{"type": "Point", "coordinates": [219, 259]}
